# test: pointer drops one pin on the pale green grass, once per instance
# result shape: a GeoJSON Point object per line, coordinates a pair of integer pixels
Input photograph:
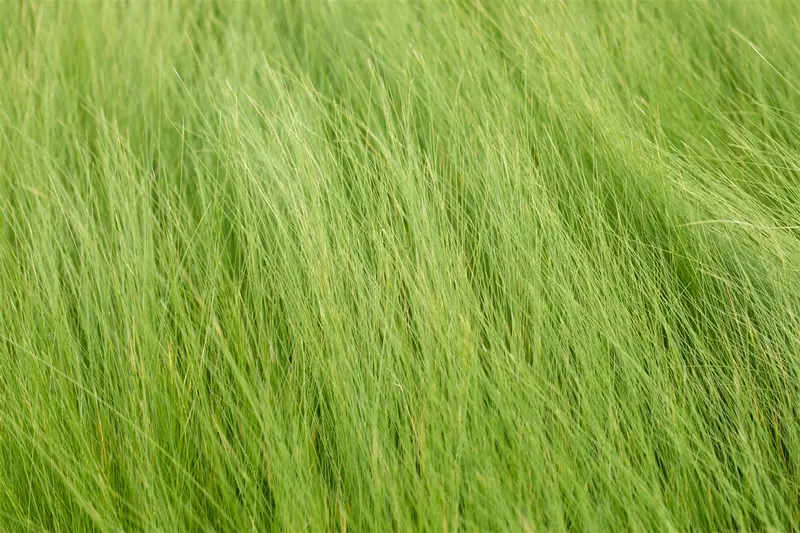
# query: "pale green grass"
{"type": "Point", "coordinates": [407, 265]}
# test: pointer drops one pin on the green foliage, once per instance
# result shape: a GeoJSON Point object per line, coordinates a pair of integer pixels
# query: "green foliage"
{"type": "Point", "coordinates": [412, 265]}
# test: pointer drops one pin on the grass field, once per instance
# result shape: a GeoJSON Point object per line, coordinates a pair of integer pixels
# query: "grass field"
{"type": "Point", "coordinates": [407, 265]}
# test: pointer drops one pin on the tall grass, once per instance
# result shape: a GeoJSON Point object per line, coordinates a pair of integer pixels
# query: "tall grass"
{"type": "Point", "coordinates": [413, 265]}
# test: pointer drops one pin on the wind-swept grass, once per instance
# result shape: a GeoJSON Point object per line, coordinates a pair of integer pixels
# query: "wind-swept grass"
{"type": "Point", "coordinates": [412, 265]}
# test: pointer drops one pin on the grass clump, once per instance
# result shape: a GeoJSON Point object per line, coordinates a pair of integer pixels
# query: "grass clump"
{"type": "Point", "coordinates": [311, 265]}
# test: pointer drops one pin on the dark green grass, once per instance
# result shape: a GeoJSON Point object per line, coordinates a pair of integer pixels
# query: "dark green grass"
{"type": "Point", "coordinates": [432, 265]}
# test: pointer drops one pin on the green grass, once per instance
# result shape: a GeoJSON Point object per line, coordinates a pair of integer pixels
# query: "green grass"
{"type": "Point", "coordinates": [407, 265]}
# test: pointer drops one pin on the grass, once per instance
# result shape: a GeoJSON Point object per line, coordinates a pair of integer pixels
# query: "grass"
{"type": "Point", "coordinates": [413, 265]}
